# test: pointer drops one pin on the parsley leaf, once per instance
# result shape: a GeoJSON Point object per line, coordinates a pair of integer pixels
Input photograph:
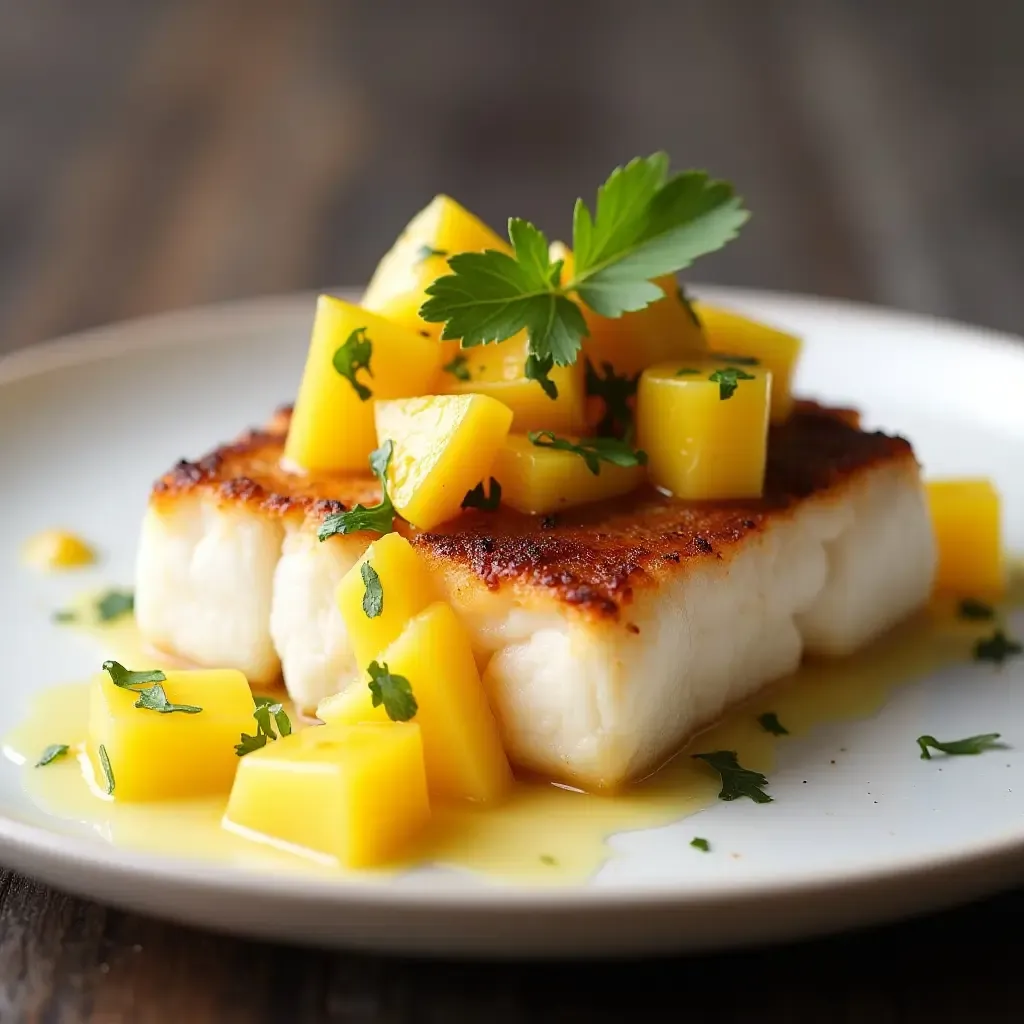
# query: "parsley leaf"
{"type": "Point", "coordinates": [970, 745]}
{"type": "Point", "coordinates": [728, 380]}
{"type": "Point", "coordinates": [538, 369]}
{"type": "Point", "coordinates": [394, 692]}
{"type": "Point", "coordinates": [997, 648]}
{"type": "Point", "coordinates": [250, 743]}
{"type": "Point", "coordinates": [373, 598]}
{"type": "Point", "coordinates": [687, 371]}
{"type": "Point", "coordinates": [52, 753]}
{"type": "Point", "coordinates": [424, 252]}
{"type": "Point", "coordinates": [115, 603]}
{"type": "Point", "coordinates": [379, 518]}
{"type": "Point", "coordinates": [700, 844]}
{"type": "Point", "coordinates": [268, 713]}
{"type": "Point", "coordinates": [151, 697]}
{"type": "Point", "coordinates": [971, 608]}
{"type": "Point", "coordinates": [108, 772]}
{"type": "Point", "coordinates": [128, 680]}
{"type": "Point", "coordinates": [615, 392]}
{"type": "Point", "coordinates": [736, 780]}
{"type": "Point", "coordinates": [769, 721]}
{"type": "Point", "coordinates": [477, 498]}
{"type": "Point", "coordinates": [458, 368]}
{"type": "Point", "coordinates": [63, 615]}
{"type": "Point", "coordinates": [593, 450]}
{"type": "Point", "coordinates": [352, 357]}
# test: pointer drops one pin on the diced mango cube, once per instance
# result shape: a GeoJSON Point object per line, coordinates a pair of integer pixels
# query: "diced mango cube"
{"type": "Point", "coordinates": [666, 329]}
{"type": "Point", "coordinates": [704, 426]}
{"type": "Point", "coordinates": [444, 445]}
{"type": "Point", "coordinates": [537, 480]}
{"type": "Point", "coordinates": [164, 756]}
{"type": "Point", "coordinates": [57, 549]}
{"type": "Point", "coordinates": [351, 794]}
{"type": "Point", "coordinates": [967, 520]}
{"type": "Point", "coordinates": [729, 333]}
{"type": "Point", "coordinates": [461, 742]}
{"type": "Point", "coordinates": [332, 426]}
{"type": "Point", "coordinates": [398, 287]}
{"type": "Point", "coordinates": [406, 588]}
{"type": "Point", "coordinates": [497, 370]}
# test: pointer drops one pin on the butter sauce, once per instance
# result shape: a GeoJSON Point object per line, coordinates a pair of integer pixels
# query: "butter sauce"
{"type": "Point", "coordinates": [543, 833]}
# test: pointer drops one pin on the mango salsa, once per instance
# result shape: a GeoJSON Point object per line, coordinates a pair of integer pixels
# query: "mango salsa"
{"type": "Point", "coordinates": [443, 446]}
{"type": "Point", "coordinates": [497, 370]}
{"type": "Point", "coordinates": [540, 480]}
{"type": "Point", "coordinates": [404, 586]}
{"type": "Point", "coordinates": [775, 350]}
{"type": "Point", "coordinates": [332, 427]}
{"type": "Point", "coordinates": [461, 743]}
{"type": "Point", "coordinates": [967, 520]}
{"type": "Point", "coordinates": [704, 426]}
{"type": "Point", "coordinates": [57, 549]}
{"type": "Point", "coordinates": [158, 756]}
{"type": "Point", "coordinates": [354, 795]}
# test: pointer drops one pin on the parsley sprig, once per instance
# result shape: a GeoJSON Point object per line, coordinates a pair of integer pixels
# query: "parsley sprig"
{"type": "Point", "coordinates": [970, 745]}
{"type": "Point", "coordinates": [997, 648]}
{"type": "Point", "coordinates": [379, 518]}
{"type": "Point", "coordinates": [593, 450]}
{"type": "Point", "coordinates": [646, 223]}
{"type": "Point", "coordinates": [268, 714]}
{"type": "Point", "coordinates": [393, 691]}
{"type": "Point", "coordinates": [373, 592]}
{"type": "Point", "coordinates": [737, 781]}
{"type": "Point", "coordinates": [353, 356]}
{"type": "Point", "coordinates": [149, 687]}
{"type": "Point", "coordinates": [615, 391]}
{"type": "Point", "coordinates": [728, 379]}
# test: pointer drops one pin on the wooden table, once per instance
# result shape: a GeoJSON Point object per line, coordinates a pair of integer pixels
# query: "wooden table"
{"type": "Point", "coordinates": [166, 153]}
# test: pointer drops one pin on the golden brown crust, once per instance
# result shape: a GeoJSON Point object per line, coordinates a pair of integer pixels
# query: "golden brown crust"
{"type": "Point", "coordinates": [593, 557]}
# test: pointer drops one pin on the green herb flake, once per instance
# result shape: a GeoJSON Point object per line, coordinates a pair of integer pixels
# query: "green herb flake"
{"type": "Point", "coordinates": [458, 368]}
{"type": "Point", "coordinates": [378, 518]}
{"type": "Point", "coordinates": [546, 858]}
{"type": "Point", "coordinates": [108, 772]}
{"type": "Point", "coordinates": [426, 252]}
{"type": "Point", "coordinates": [478, 497]}
{"type": "Point", "coordinates": [735, 360]}
{"type": "Point", "coordinates": [538, 369]}
{"type": "Point", "coordinates": [115, 603]}
{"type": "Point", "coordinates": [736, 780]}
{"type": "Point", "coordinates": [394, 692]}
{"type": "Point", "coordinates": [615, 392]}
{"type": "Point", "coordinates": [64, 615]}
{"type": "Point", "coordinates": [997, 648]}
{"type": "Point", "coordinates": [128, 680]}
{"type": "Point", "coordinates": [687, 371]}
{"type": "Point", "coordinates": [593, 450]}
{"type": "Point", "coordinates": [769, 721]}
{"type": "Point", "coordinates": [700, 844]}
{"type": "Point", "coordinates": [970, 745]}
{"type": "Point", "coordinates": [353, 356]}
{"type": "Point", "coordinates": [974, 610]}
{"type": "Point", "coordinates": [268, 714]}
{"type": "Point", "coordinates": [152, 696]}
{"type": "Point", "coordinates": [373, 596]}
{"type": "Point", "coordinates": [728, 380]}
{"type": "Point", "coordinates": [54, 752]}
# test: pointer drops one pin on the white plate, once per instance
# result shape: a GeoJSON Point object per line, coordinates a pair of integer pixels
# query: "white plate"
{"type": "Point", "coordinates": [85, 425]}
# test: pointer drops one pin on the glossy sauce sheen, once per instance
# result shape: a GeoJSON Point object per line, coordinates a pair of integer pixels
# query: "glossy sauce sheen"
{"type": "Point", "coordinates": [543, 833]}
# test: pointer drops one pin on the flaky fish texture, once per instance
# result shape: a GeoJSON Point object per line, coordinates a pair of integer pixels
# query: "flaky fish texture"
{"type": "Point", "coordinates": [608, 634]}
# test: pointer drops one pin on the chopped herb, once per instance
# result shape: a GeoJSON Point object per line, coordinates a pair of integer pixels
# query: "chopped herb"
{"type": "Point", "coordinates": [728, 380]}
{"type": "Point", "coordinates": [593, 450]}
{"type": "Point", "coordinates": [615, 392]}
{"type": "Point", "coordinates": [128, 680]}
{"type": "Point", "coordinates": [687, 304]}
{"type": "Point", "coordinates": [64, 615]}
{"type": "Point", "coordinates": [379, 518]}
{"type": "Point", "coordinates": [425, 252]}
{"type": "Point", "coordinates": [646, 223]}
{"type": "Point", "coordinates": [268, 713]}
{"type": "Point", "coordinates": [54, 752]}
{"type": "Point", "coordinates": [108, 772]}
{"type": "Point", "coordinates": [115, 603]}
{"type": "Point", "coordinates": [458, 368]}
{"type": "Point", "coordinates": [700, 844]}
{"type": "Point", "coordinates": [769, 721]}
{"type": "Point", "coordinates": [998, 647]}
{"type": "Point", "coordinates": [735, 360]}
{"type": "Point", "coordinates": [394, 692]}
{"type": "Point", "coordinates": [546, 858]}
{"type": "Point", "coordinates": [373, 598]}
{"type": "Point", "coordinates": [151, 697]}
{"type": "Point", "coordinates": [736, 780]}
{"type": "Point", "coordinates": [687, 371]}
{"type": "Point", "coordinates": [971, 608]}
{"type": "Point", "coordinates": [970, 745]}
{"type": "Point", "coordinates": [352, 357]}
{"type": "Point", "coordinates": [478, 497]}
{"type": "Point", "coordinates": [250, 743]}
{"type": "Point", "coordinates": [538, 368]}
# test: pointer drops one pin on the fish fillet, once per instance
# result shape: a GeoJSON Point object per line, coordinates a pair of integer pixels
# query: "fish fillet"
{"type": "Point", "coordinates": [607, 634]}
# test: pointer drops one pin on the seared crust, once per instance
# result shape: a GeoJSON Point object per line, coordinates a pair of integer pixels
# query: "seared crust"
{"type": "Point", "coordinates": [594, 557]}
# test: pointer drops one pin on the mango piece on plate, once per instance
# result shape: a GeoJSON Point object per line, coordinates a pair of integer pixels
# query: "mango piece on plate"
{"type": "Point", "coordinates": [498, 371]}
{"type": "Point", "coordinates": [967, 520]}
{"type": "Point", "coordinates": [730, 333]}
{"type": "Point", "coordinates": [444, 445]}
{"type": "Point", "coordinates": [155, 755]}
{"type": "Point", "coordinates": [354, 358]}
{"type": "Point", "coordinates": [461, 742]}
{"type": "Point", "coordinates": [355, 795]}
{"type": "Point", "coordinates": [376, 610]}
{"type": "Point", "coordinates": [538, 480]}
{"type": "Point", "coordinates": [704, 426]}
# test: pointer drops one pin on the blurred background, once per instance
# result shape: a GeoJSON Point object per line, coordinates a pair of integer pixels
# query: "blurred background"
{"type": "Point", "coordinates": [163, 153]}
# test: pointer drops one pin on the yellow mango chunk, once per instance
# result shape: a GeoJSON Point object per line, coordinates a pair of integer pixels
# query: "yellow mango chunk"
{"type": "Point", "coordinates": [497, 370]}
{"type": "Point", "coordinates": [354, 795]}
{"type": "Point", "coordinates": [665, 330]}
{"type": "Point", "coordinates": [775, 350]}
{"type": "Point", "coordinates": [332, 426]}
{"type": "Point", "coordinates": [967, 520]}
{"type": "Point", "coordinates": [444, 445]}
{"type": "Point", "coordinates": [461, 743]}
{"type": "Point", "coordinates": [404, 586]}
{"type": "Point", "coordinates": [699, 446]}
{"type": "Point", "coordinates": [157, 756]}
{"type": "Point", "coordinates": [419, 256]}
{"type": "Point", "coordinates": [57, 549]}
{"type": "Point", "coordinates": [538, 480]}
